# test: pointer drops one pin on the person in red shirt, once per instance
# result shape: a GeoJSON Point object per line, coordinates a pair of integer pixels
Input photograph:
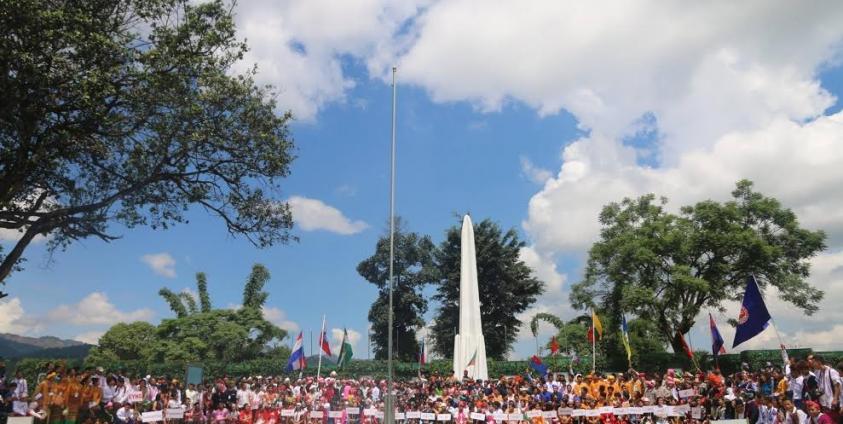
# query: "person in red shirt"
{"type": "Point", "coordinates": [815, 414]}
{"type": "Point", "coordinates": [245, 416]}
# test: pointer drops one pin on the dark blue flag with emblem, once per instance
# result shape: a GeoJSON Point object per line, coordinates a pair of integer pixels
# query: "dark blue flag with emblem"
{"type": "Point", "coordinates": [754, 316]}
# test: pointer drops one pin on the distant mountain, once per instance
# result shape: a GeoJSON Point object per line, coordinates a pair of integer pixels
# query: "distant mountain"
{"type": "Point", "coordinates": [13, 346]}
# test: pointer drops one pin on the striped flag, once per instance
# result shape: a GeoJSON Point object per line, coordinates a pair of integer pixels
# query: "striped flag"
{"type": "Point", "coordinates": [422, 354]}
{"type": "Point", "coordinates": [595, 321]}
{"type": "Point", "coordinates": [717, 343]}
{"type": "Point", "coordinates": [345, 351]}
{"type": "Point", "coordinates": [473, 360]}
{"type": "Point", "coordinates": [625, 338]}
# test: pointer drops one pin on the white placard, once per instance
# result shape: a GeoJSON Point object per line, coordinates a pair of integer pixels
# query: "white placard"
{"type": "Point", "coordinates": [400, 416]}
{"type": "Point", "coordinates": [549, 414]}
{"type": "Point", "coordinates": [20, 407]}
{"type": "Point", "coordinates": [578, 413]}
{"type": "Point", "coordinates": [379, 415]}
{"type": "Point", "coordinates": [288, 412]}
{"type": "Point", "coordinates": [686, 393]}
{"type": "Point", "coordinates": [478, 416]}
{"type": "Point", "coordinates": [696, 413]}
{"type": "Point", "coordinates": [428, 416]}
{"type": "Point", "coordinates": [534, 414]}
{"type": "Point", "coordinates": [175, 413]}
{"type": "Point", "coordinates": [20, 420]}
{"type": "Point", "coordinates": [443, 417]}
{"type": "Point", "coordinates": [352, 411]}
{"type": "Point", "coordinates": [514, 417]}
{"type": "Point", "coordinates": [135, 397]}
{"type": "Point", "coordinates": [369, 412]}
{"type": "Point", "coordinates": [152, 416]}
{"type": "Point", "coordinates": [660, 411]}
{"type": "Point", "coordinates": [648, 409]}
{"type": "Point", "coordinates": [334, 414]}
{"type": "Point", "coordinates": [566, 411]}
{"type": "Point", "coordinates": [682, 409]}
{"type": "Point", "coordinates": [606, 410]}
{"type": "Point", "coordinates": [413, 415]}
{"type": "Point", "coordinates": [621, 411]}
{"type": "Point", "coordinates": [635, 410]}
{"type": "Point", "coordinates": [316, 415]}
{"type": "Point", "coordinates": [592, 412]}
{"type": "Point", "coordinates": [499, 416]}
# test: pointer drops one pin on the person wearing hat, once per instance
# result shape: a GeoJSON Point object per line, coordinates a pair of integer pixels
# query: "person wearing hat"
{"type": "Point", "coordinates": [816, 415]}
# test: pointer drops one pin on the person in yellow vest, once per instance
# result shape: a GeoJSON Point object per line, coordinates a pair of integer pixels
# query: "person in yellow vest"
{"type": "Point", "coordinates": [72, 397]}
{"type": "Point", "coordinates": [55, 399]}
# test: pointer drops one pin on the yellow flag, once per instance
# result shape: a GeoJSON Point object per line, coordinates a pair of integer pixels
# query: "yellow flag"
{"type": "Point", "coordinates": [596, 323]}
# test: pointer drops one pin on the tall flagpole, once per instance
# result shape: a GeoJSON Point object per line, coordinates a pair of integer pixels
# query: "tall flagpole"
{"type": "Point", "coordinates": [321, 340]}
{"type": "Point", "coordinates": [389, 413]}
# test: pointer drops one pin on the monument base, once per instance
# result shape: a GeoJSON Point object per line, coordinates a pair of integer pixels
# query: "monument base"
{"type": "Point", "coordinates": [465, 348]}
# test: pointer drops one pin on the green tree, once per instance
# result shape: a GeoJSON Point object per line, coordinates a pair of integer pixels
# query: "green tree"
{"type": "Point", "coordinates": [413, 269]}
{"type": "Point", "coordinates": [507, 288]}
{"type": "Point", "coordinates": [668, 267]}
{"type": "Point", "coordinates": [124, 341]}
{"type": "Point", "coordinates": [103, 123]}
{"type": "Point", "coordinates": [202, 288]}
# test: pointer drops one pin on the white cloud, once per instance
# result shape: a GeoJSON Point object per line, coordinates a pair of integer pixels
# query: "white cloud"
{"type": "Point", "coordinates": [313, 214]}
{"type": "Point", "coordinates": [90, 337]}
{"type": "Point", "coordinates": [534, 173]}
{"type": "Point", "coordinates": [353, 338]}
{"type": "Point", "coordinates": [13, 318]}
{"type": "Point", "coordinates": [298, 45]}
{"type": "Point", "coordinates": [279, 318]}
{"type": "Point", "coordinates": [162, 264]}
{"type": "Point", "coordinates": [544, 268]}
{"type": "Point", "coordinates": [95, 308]}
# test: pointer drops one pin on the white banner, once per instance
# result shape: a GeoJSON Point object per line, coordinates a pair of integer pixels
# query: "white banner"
{"type": "Point", "coordinates": [288, 412]}
{"type": "Point", "coordinates": [399, 415]}
{"type": "Point", "coordinates": [443, 417]}
{"type": "Point", "coordinates": [478, 416]}
{"type": "Point", "coordinates": [175, 413]}
{"type": "Point", "coordinates": [534, 414]}
{"type": "Point", "coordinates": [413, 415]}
{"type": "Point", "coordinates": [428, 416]}
{"type": "Point", "coordinates": [334, 414]}
{"type": "Point", "coordinates": [352, 411]}
{"type": "Point", "coordinates": [152, 416]}
{"type": "Point", "coordinates": [316, 415]}
{"type": "Point", "coordinates": [549, 414]}
{"type": "Point", "coordinates": [499, 416]}
{"type": "Point", "coordinates": [686, 393]}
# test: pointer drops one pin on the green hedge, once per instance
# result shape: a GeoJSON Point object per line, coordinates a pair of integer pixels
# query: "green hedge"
{"type": "Point", "coordinates": [650, 362]}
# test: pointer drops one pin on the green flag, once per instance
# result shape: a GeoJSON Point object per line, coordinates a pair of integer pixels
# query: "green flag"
{"type": "Point", "coordinates": [345, 351]}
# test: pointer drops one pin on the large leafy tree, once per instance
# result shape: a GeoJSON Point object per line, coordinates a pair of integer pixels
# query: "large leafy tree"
{"type": "Point", "coordinates": [670, 267]}
{"type": "Point", "coordinates": [507, 288]}
{"type": "Point", "coordinates": [199, 333]}
{"type": "Point", "coordinates": [128, 111]}
{"type": "Point", "coordinates": [413, 269]}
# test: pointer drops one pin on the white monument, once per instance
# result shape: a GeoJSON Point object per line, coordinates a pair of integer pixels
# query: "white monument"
{"type": "Point", "coordinates": [469, 345]}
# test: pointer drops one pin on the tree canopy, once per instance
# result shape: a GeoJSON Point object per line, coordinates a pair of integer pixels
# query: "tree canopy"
{"type": "Point", "coordinates": [507, 287]}
{"type": "Point", "coordinates": [668, 267]}
{"type": "Point", "coordinates": [128, 111]}
{"type": "Point", "coordinates": [413, 270]}
{"type": "Point", "coordinates": [198, 334]}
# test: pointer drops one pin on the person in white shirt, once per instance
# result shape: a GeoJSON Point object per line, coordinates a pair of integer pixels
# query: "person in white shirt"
{"type": "Point", "coordinates": [767, 413]}
{"type": "Point", "coordinates": [244, 396]}
{"type": "Point", "coordinates": [828, 380]}
{"type": "Point", "coordinates": [22, 390]}
{"type": "Point", "coordinates": [794, 415]}
{"type": "Point", "coordinates": [125, 414]}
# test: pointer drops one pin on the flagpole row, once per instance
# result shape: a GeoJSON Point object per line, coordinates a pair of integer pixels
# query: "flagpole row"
{"type": "Point", "coordinates": [321, 342]}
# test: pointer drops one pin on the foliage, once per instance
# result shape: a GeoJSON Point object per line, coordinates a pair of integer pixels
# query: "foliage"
{"type": "Point", "coordinates": [549, 318]}
{"type": "Point", "coordinates": [668, 267]}
{"type": "Point", "coordinates": [202, 288]}
{"type": "Point", "coordinates": [507, 287]}
{"type": "Point", "coordinates": [413, 269]}
{"type": "Point", "coordinates": [196, 334]}
{"type": "Point", "coordinates": [129, 112]}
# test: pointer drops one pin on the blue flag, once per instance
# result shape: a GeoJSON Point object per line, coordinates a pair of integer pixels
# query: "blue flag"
{"type": "Point", "coordinates": [754, 316]}
{"type": "Point", "coordinates": [717, 343]}
{"type": "Point", "coordinates": [538, 366]}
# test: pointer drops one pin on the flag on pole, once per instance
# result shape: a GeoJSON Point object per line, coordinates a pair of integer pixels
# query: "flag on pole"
{"type": "Point", "coordinates": [422, 354]}
{"type": "Point", "coordinates": [785, 358]}
{"type": "Point", "coordinates": [554, 346]}
{"type": "Point", "coordinates": [625, 338]}
{"type": "Point", "coordinates": [717, 347]}
{"type": "Point", "coordinates": [537, 365]}
{"type": "Point", "coordinates": [473, 360]}
{"type": "Point", "coordinates": [590, 334]}
{"type": "Point", "coordinates": [323, 342]}
{"type": "Point", "coordinates": [754, 316]}
{"type": "Point", "coordinates": [685, 346]}
{"type": "Point", "coordinates": [595, 322]}
{"type": "Point", "coordinates": [345, 350]}
{"type": "Point", "coordinates": [297, 360]}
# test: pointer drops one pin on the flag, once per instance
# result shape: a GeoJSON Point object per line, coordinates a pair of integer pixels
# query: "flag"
{"type": "Point", "coordinates": [554, 346]}
{"type": "Point", "coordinates": [625, 338]}
{"type": "Point", "coordinates": [685, 346]}
{"type": "Point", "coordinates": [473, 360]}
{"type": "Point", "coordinates": [537, 365]}
{"type": "Point", "coordinates": [590, 334]}
{"type": "Point", "coordinates": [297, 360]}
{"type": "Point", "coordinates": [754, 316]}
{"type": "Point", "coordinates": [323, 341]}
{"type": "Point", "coordinates": [717, 347]}
{"type": "Point", "coordinates": [785, 358]}
{"type": "Point", "coordinates": [422, 354]}
{"type": "Point", "coordinates": [345, 351]}
{"type": "Point", "coordinates": [595, 321]}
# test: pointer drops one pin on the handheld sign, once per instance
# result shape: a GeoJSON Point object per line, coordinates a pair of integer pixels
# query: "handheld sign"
{"type": "Point", "coordinates": [498, 416]}
{"type": "Point", "coordinates": [534, 414]}
{"type": "Point", "coordinates": [175, 413]}
{"type": "Point", "coordinates": [316, 415]}
{"type": "Point", "coordinates": [152, 416]}
{"type": "Point", "coordinates": [428, 416]}
{"type": "Point", "coordinates": [549, 415]}
{"type": "Point", "coordinates": [478, 416]}
{"type": "Point", "coordinates": [352, 411]}
{"type": "Point", "coordinates": [334, 414]}
{"type": "Point", "coordinates": [443, 417]}
{"type": "Point", "coordinates": [288, 412]}
{"type": "Point", "coordinates": [683, 394]}
{"type": "Point", "coordinates": [413, 415]}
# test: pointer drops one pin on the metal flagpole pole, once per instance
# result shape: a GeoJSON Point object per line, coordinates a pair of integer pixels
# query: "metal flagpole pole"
{"type": "Point", "coordinates": [389, 413]}
{"type": "Point", "coordinates": [321, 336]}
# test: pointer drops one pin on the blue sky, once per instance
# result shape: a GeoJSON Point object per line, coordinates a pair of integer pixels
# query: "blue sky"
{"type": "Point", "coordinates": [534, 124]}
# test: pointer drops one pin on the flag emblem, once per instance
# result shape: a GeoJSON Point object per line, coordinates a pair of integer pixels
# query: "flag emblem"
{"type": "Point", "coordinates": [743, 317]}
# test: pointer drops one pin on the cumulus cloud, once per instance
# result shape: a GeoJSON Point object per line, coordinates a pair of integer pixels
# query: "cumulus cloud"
{"type": "Point", "coordinates": [13, 318]}
{"type": "Point", "coordinates": [95, 308]}
{"type": "Point", "coordinates": [313, 214]}
{"type": "Point", "coordinates": [162, 264]}
{"type": "Point", "coordinates": [534, 173]}
{"type": "Point", "coordinates": [279, 318]}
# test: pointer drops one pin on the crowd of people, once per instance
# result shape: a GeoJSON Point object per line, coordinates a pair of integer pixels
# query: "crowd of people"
{"type": "Point", "coordinates": [807, 391]}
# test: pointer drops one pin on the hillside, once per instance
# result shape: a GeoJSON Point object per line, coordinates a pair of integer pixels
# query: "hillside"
{"type": "Point", "coordinates": [14, 346]}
